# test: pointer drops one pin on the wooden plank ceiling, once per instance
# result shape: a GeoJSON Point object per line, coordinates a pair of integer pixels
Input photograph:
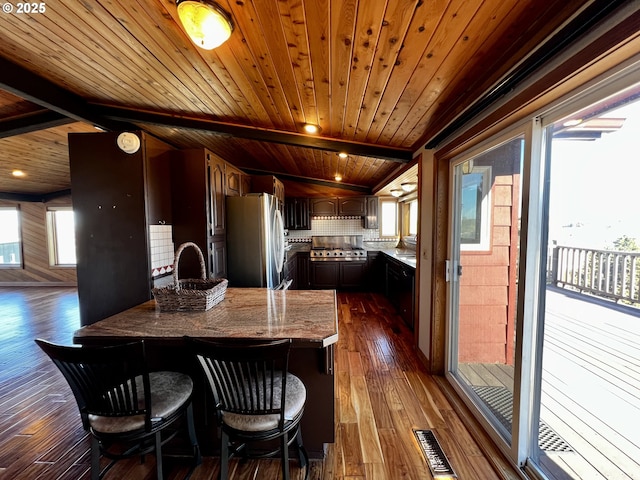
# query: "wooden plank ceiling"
{"type": "Point", "coordinates": [380, 78]}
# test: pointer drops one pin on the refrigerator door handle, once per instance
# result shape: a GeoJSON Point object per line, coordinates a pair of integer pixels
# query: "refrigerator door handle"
{"type": "Point", "coordinates": [278, 240]}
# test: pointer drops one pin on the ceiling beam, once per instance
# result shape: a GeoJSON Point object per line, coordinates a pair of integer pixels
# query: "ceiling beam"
{"type": "Point", "coordinates": [402, 155]}
{"type": "Point", "coordinates": [312, 181]}
{"type": "Point", "coordinates": [27, 85]}
{"type": "Point", "coordinates": [33, 197]}
{"type": "Point", "coordinates": [32, 122]}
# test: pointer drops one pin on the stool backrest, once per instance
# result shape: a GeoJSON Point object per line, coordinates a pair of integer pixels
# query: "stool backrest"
{"type": "Point", "coordinates": [110, 381]}
{"type": "Point", "coordinates": [246, 378]}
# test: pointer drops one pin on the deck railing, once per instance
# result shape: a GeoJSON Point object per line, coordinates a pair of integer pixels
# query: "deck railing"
{"type": "Point", "coordinates": [604, 273]}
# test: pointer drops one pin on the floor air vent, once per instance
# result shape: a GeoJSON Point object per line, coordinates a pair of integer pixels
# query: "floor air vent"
{"type": "Point", "coordinates": [436, 459]}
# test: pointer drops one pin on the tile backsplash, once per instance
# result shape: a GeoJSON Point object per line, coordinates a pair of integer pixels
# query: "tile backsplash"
{"type": "Point", "coordinates": [160, 238]}
{"type": "Point", "coordinates": [334, 226]}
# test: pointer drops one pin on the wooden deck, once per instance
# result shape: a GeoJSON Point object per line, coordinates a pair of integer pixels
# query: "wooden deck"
{"type": "Point", "coordinates": [591, 387]}
{"type": "Point", "coordinates": [382, 393]}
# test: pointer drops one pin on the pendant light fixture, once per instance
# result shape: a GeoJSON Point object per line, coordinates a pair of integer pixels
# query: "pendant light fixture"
{"type": "Point", "coordinates": [206, 22]}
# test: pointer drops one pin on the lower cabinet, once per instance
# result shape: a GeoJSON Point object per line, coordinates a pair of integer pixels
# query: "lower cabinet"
{"type": "Point", "coordinates": [400, 289]}
{"type": "Point", "coordinates": [302, 270]}
{"type": "Point", "coordinates": [218, 252]}
{"type": "Point", "coordinates": [337, 275]}
{"type": "Point", "coordinates": [291, 271]}
{"type": "Point", "coordinates": [375, 278]}
{"type": "Point", "coordinates": [324, 274]}
{"type": "Point", "coordinates": [352, 274]}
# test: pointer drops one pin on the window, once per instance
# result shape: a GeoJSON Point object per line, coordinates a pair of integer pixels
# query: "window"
{"type": "Point", "coordinates": [62, 241]}
{"type": "Point", "coordinates": [413, 217]}
{"type": "Point", "coordinates": [475, 213]}
{"type": "Point", "coordinates": [388, 218]}
{"type": "Point", "coordinates": [10, 248]}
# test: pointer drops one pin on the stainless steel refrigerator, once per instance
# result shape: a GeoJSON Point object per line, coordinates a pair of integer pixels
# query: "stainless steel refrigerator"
{"type": "Point", "coordinates": [255, 241]}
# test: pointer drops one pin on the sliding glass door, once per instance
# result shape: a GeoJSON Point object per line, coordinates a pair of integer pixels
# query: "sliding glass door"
{"type": "Point", "coordinates": [544, 287]}
{"type": "Point", "coordinates": [487, 206]}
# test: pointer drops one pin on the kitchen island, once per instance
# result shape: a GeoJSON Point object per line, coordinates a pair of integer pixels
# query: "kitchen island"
{"type": "Point", "coordinates": [309, 318]}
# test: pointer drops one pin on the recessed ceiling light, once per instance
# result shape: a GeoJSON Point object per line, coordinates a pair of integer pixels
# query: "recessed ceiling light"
{"type": "Point", "coordinates": [18, 173]}
{"type": "Point", "coordinates": [338, 177]}
{"type": "Point", "coordinates": [311, 128]}
{"type": "Point", "coordinates": [343, 154]}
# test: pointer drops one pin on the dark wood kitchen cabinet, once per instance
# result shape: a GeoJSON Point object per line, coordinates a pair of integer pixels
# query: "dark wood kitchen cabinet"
{"type": "Point", "coordinates": [271, 185]}
{"type": "Point", "coordinates": [117, 196]}
{"type": "Point", "coordinates": [237, 183]}
{"type": "Point", "coordinates": [302, 280]}
{"type": "Point", "coordinates": [323, 275]}
{"type": "Point", "coordinates": [290, 271]}
{"type": "Point", "coordinates": [352, 274]}
{"type": "Point", "coordinates": [199, 187]}
{"type": "Point", "coordinates": [400, 289]}
{"type": "Point", "coordinates": [371, 216]}
{"type": "Point", "coordinates": [297, 215]}
{"type": "Point", "coordinates": [233, 181]}
{"type": "Point", "coordinates": [324, 206]}
{"type": "Point", "coordinates": [337, 275]}
{"type": "Point", "coordinates": [347, 206]}
{"type": "Point", "coordinates": [376, 272]}
{"type": "Point", "coordinates": [352, 206]}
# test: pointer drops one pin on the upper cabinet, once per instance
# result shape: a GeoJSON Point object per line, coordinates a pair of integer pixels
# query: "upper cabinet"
{"type": "Point", "coordinates": [238, 183]}
{"type": "Point", "coordinates": [269, 184]}
{"type": "Point", "coordinates": [234, 181]}
{"type": "Point", "coordinates": [199, 179]}
{"type": "Point", "coordinates": [371, 217]}
{"type": "Point", "coordinates": [352, 206]}
{"type": "Point", "coordinates": [297, 215]}
{"type": "Point", "coordinates": [324, 206]}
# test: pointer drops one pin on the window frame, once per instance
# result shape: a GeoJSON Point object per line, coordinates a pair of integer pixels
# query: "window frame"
{"type": "Point", "coordinates": [484, 242]}
{"type": "Point", "coordinates": [20, 263]}
{"type": "Point", "coordinates": [52, 237]}
{"type": "Point", "coordinates": [388, 200]}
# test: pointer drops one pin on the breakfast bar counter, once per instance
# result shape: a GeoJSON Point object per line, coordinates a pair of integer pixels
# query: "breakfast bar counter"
{"type": "Point", "coordinates": [308, 317]}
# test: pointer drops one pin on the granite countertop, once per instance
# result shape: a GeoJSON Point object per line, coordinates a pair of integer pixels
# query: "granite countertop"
{"type": "Point", "coordinates": [403, 255]}
{"type": "Point", "coordinates": [295, 247]}
{"type": "Point", "coordinates": [406, 256]}
{"type": "Point", "coordinates": [309, 317]}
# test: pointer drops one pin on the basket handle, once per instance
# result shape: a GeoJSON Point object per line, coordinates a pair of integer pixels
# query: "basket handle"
{"type": "Point", "coordinates": [203, 270]}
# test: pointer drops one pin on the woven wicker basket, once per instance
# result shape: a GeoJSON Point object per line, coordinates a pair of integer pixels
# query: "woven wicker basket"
{"type": "Point", "coordinates": [190, 294]}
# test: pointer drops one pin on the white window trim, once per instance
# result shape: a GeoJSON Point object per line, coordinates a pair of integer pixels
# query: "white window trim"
{"type": "Point", "coordinates": [52, 236]}
{"type": "Point", "coordinates": [484, 245]}
{"type": "Point", "coordinates": [388, 200]}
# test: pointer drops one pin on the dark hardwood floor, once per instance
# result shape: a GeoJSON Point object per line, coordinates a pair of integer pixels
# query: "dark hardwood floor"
{"type": "Point", "coordinates": [382, 394]}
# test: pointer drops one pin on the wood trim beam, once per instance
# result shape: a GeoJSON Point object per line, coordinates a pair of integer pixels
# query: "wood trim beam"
{"type": "Point", "coordinates": [34, 198]}
{"type": "Point", "coordinates": [591, 16]}
{"type": "Point", "coordinates": [32, 122]}
{"type": "Point", "coordinates": [396, 154]}
{"type": "Point", "coordinates": [21, 82]}
{"type": "Point", "coordinates": [312, 181]}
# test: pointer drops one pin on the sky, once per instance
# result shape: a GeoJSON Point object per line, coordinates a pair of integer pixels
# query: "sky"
{"type": "Point", "coordinates": [595, 186]}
